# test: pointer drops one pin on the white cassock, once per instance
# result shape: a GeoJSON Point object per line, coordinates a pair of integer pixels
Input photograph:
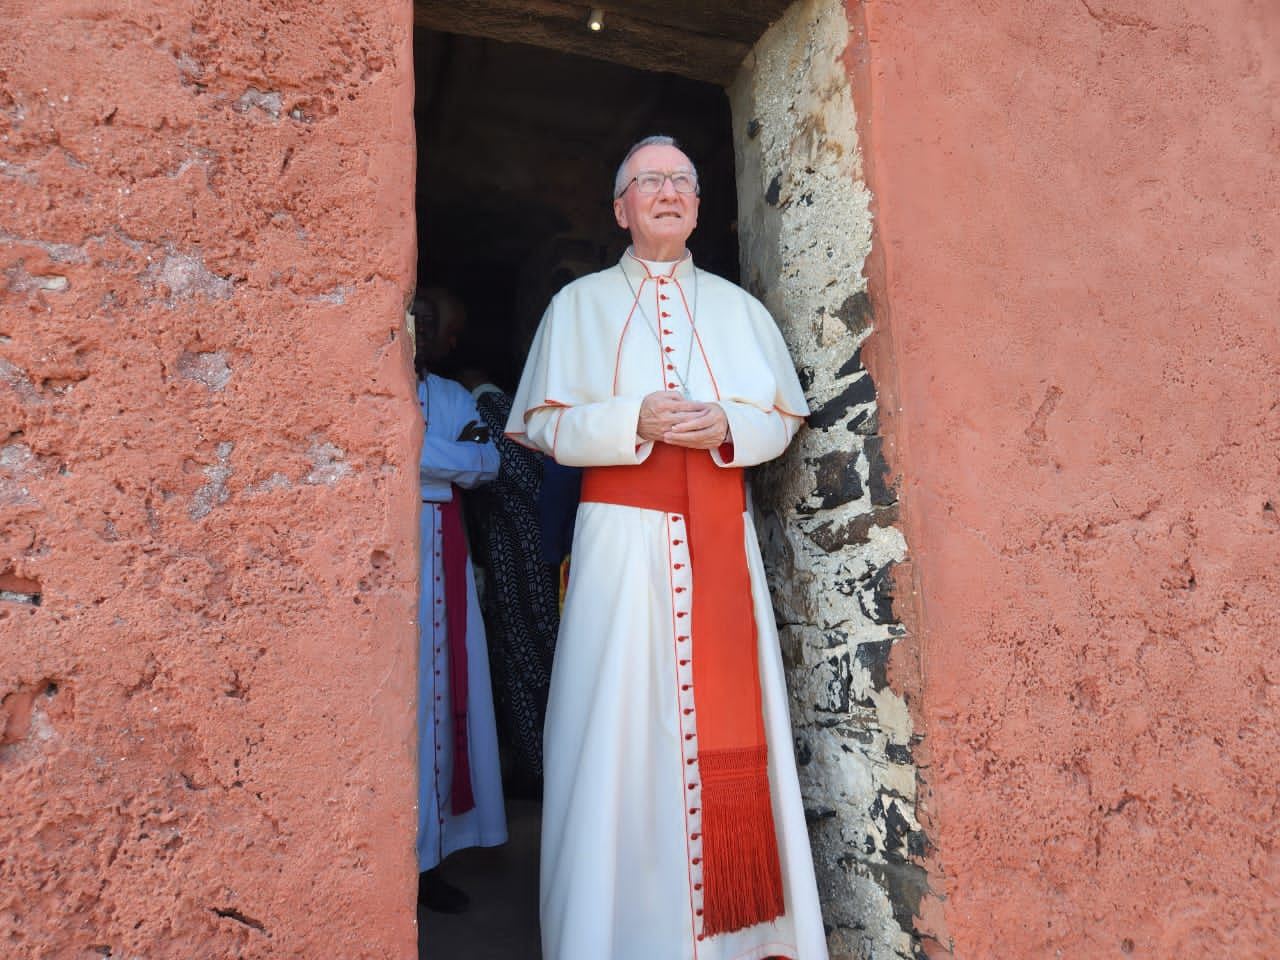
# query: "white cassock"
{"type": "Point", "coordinates": [620, 849]}
{"type": "Point", "coordinates": [447, 408]}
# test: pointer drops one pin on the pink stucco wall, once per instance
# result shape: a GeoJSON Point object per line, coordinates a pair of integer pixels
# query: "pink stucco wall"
{"type": "Point", "coordinates": [207, 478]}
{"type": "Point", "coordinates": [1078, 352]}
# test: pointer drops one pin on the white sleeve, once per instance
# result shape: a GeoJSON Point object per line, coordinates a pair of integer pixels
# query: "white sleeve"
{"type": "Point", "coordinates": [601, 434]}
{"type": "Point", "coordinates": [756, 436]}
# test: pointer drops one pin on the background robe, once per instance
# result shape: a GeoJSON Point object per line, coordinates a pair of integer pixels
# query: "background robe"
{"type": "Point", "coordinates": [447, 408]}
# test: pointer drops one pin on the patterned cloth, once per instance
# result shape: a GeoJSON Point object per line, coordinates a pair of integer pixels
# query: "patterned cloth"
{"type": "Point", "coordinates": [521, 595]}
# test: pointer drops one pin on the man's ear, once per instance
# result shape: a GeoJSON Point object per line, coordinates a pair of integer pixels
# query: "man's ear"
{"type": "Point", "coordinates": [620, 214]}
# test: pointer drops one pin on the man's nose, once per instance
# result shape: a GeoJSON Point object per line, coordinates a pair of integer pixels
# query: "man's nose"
{"type": "Point", "coordinates": [668, 187]}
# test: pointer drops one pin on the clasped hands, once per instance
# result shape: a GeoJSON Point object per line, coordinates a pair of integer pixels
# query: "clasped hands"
{"type": "Point", "coordinates": [667, 417]}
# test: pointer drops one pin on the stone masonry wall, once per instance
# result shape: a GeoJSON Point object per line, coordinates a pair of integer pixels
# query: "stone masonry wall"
{"type": "Point", "coordinates": [207, 491]}
{"type": "Point", "coordinates": [827, 512]}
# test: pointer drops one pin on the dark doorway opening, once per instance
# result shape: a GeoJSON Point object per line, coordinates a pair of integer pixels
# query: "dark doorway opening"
{"type": "Point", "coordinates": [517, 150]}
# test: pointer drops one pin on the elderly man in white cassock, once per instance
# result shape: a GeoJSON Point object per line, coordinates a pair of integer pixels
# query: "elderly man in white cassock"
{"type": "Point", "coordinates": [672, 821]}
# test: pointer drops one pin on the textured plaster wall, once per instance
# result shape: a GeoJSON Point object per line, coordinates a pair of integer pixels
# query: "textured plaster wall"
{"type": "Point", "coordinates": [1075, 285]}
{"type": "Point", "coordinates": [827, 513]}
{"type": "Point", "coordinates": [207, 499]}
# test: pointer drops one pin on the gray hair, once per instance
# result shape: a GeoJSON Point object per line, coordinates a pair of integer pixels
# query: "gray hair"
{"type": "Point", "coordinates": [659, 140]}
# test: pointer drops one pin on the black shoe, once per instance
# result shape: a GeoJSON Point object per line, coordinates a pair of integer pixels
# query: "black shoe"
{"type": "Point", "coordinates": [435, 894]}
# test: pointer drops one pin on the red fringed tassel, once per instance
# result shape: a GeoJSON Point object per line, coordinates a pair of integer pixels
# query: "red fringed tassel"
{"type": "Point", "coordinates": [741, 873]}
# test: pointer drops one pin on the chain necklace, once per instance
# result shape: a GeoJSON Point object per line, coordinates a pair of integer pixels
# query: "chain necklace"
{"type": "Point", "coordinates": [653, 329]}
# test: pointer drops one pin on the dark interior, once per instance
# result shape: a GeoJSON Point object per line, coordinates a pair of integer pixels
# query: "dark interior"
{"type": "Point", "coordinates": [517, 150]}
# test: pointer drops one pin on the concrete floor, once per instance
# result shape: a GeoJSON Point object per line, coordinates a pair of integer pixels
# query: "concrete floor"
{"type": "Point", "coordinates": [502, 882]}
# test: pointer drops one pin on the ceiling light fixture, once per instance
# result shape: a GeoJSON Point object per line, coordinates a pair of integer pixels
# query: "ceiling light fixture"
{"type": "Point", "coordinates": [595, 20]}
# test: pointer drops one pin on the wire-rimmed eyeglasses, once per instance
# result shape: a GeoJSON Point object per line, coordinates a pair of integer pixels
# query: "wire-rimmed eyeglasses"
{"type": "Point", "coordinates": [651, 181]}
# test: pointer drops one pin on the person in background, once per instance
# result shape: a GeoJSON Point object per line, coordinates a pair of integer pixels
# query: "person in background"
{"type": "Point", "coordinates": [460, 802]}
{"type": "Point", "coordinates": [672, 822]}
{"type": "Point", "coordinates": [520, 595]}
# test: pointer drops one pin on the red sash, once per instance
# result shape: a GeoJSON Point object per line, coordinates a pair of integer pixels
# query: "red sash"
{"type": "Point", "coordinates": [742, 876]}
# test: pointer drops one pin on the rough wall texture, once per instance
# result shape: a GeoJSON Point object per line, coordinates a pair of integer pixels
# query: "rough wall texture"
{"type": "Point", "coordinates": [1075, 290]}
{"type": "Point", "coordinates": [207, 571]}
{"type": "Point", "coordinates": [828, 516]}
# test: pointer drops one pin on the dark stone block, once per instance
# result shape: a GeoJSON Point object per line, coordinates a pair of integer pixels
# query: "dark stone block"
{"type": "Point", "coordinates": [830, 538]}
{"type": "Point", "coordinates": [856, 312]}
{"type": "Point", "coordinates": [835, 638]}
{"type": "Point", "coordinates": [867, 423]}
{"type": "Point", "coordinates": [882, 492]}
{"type": "Point", "coordinates": [899, 753]}
{"type": "Point", "coordinates": [896, 828]}
{"type": "Point", "coordinates": [775, 190]}
{"type": "Point", "coordinates": [878, 607]}
{"type": "Point", "coordinates": [860, 391]}
{"type": "Point", "coordinates": [836, 697]}
{"type": "Point", "coordinates": [836, 478]}
{"type": "Point", "coordinates": [804, 753]}
{"type": "Point", "coordinates": [852, 365]}
{"type": "Point", "coordinates": [906, 884]}
{"type": "Point", "coordinates": [805, 375]}
{"type": "Point", "coordinates": [874, 658]}
{"type": "Point", "coordinates": [917, 844]}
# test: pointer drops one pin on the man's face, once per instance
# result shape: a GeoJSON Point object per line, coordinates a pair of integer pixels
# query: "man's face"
{"type": "Point", "coordinates": [661, 222]}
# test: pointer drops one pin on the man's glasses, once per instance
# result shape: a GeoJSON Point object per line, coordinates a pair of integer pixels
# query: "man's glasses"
{"type": "Point", "coordinates": [651, 181]}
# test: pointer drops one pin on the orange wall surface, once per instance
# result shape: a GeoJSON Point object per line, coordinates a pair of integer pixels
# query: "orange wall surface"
{"type": "Point", "coordinates": [1078, 352]}
{"type": "Point", "coordinates": [206, 477]}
